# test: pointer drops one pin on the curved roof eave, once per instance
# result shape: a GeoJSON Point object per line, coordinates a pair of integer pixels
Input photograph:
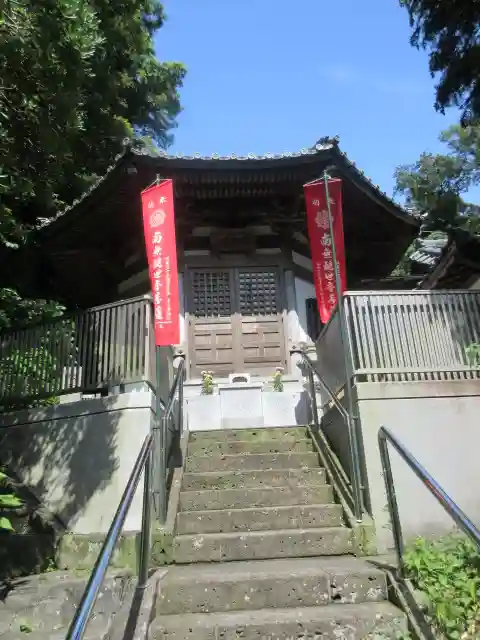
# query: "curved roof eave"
{"type": "Point", "coordinates": [325, 148]}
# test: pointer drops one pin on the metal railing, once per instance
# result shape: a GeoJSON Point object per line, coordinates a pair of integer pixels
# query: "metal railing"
{"type": "Point", "coordinates": [85, 352]}
{"type": "Point", "coordinates": [330, 357]}
{"type": "Point", "coordinates": [461, 520]}
{"type": "Point", "coordinates": [349, 419]}
{"type": "Point", "coordinates": [396, 336]}
{"type": "Point", "coordinates": [146, 462]}
{"type": "Point", "coordinates": [166, 433]}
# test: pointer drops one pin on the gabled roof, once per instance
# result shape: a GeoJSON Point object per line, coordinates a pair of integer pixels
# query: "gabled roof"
{"type": "Point", "coordinates": [325, 150]}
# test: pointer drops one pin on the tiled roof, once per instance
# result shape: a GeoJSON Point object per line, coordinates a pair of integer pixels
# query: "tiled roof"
{"type": "Point", "coordinates": [324, 144]}
{"type": "Point", "coordinates": [196, 160]}
{"type": "Point", "coordinates": [429, 251]}
{"type": "Point", "coordinates": [460, 260]}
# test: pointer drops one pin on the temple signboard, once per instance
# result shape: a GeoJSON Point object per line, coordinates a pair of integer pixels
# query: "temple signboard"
{"type": "Point", "coordinates": [322, 241]}
{"type": "Point", "coordinates": [159, 231]}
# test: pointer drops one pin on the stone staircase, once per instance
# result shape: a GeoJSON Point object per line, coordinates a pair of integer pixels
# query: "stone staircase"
{"type": "Point", "coordinates": [262, 551]}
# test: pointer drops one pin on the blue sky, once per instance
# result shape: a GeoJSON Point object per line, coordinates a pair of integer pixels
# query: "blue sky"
{"type": "Point", "coordinates": [271, 75]}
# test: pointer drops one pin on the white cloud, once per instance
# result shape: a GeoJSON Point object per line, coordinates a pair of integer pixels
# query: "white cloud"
{"type": "Point", "coordinates": [348, 76]}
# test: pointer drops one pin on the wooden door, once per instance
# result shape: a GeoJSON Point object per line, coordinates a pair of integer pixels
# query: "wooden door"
{"type": "Point", "coordinates": [235, 321]}
{"type": "Point", "coordinates": [259, 305]}
{"type": "Point", "coordinates": [210, 304]}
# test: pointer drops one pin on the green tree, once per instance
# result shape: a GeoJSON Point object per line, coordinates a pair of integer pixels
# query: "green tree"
{"type": "Point", "coordinates": [435, 185]}
{"type": "Point", "coordinates": [77, 78]}
{"type": "Point", "coordinates": [448, 29]}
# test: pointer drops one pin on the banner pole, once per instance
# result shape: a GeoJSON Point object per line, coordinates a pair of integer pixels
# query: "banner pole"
{"type": "Point", "coordinates": [161, 437]}
{"type": "Point", "coordinates": [158, 215]}
{"type": "Point", "coordinates": [351, 417]}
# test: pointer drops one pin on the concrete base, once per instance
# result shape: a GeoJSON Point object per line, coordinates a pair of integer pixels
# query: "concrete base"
{"type": "Point", "coordinates": [203, 413]}
{"type": "Point", "coordinates": [438, 422]}
{"type": "Point", "coordinates": [241, 405]}
{"type": "Point", "coordinates": [44, 606]}
{"type": "Point", "coordinates": [246, 405]}
{"type": "Point", "coordinates": [76, 458]}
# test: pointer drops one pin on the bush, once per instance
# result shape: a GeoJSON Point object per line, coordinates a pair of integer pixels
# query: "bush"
{"type": "Point", "coordinates": [8, 502]}
{"type": "Point", "coordinates": [32, 364]}
{"type": "Point", "coordinates": [447, 572]}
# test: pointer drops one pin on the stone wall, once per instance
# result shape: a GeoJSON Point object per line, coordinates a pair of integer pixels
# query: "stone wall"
{"type": "Point", "coordinates": [439, 423]}
{"type": "Point", "coordinates": [77, 458]}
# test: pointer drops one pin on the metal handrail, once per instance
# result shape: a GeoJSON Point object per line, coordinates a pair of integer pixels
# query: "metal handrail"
{"type": "Point", "coordinates": [458, 516]}
{"type": "Point", "coordinates": [161, 430]}
{"type": "Point", "coordinates": [142, 464]}
{"type": "Point", "coordinates": [82, 614]}
{"type": "Point", "coordinates": [179, 376]}
{"type": "Point", "coordinates": [356, 479]}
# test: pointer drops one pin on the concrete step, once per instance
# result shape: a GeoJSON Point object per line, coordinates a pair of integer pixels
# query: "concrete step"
{"type": "Point", "coordinates": [253, 479]}
{"type": "Point", "coordinates": [331, 622]}
{"type": "Point", "coordinates": [260, 519]}
{"type": "Point", "coordinates": [254, 435]}
{"type": "Point", "coordinates": [262, 545]}
{"type": "Point", "coordinates": [264, 584]}
{"type": "Point", "coordinates": [249, 446]}
{"type": "Point", "coordinates": [249, 462]}
{"type": "Point", "coordinates": [245, 498]}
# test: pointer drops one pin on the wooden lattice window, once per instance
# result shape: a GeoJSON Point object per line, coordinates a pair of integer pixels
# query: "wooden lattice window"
{"type": "Point", "coordinates": [211, 293]}
{"type": "Point", "coordinates": [257, 293]}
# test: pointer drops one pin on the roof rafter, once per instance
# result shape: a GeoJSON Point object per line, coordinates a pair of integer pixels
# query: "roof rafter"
{"type": "Point", "coordinates": [325, 149]}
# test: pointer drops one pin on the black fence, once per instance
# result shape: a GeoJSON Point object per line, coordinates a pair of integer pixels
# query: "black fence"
{"type": "Point", "coordinates": [87, 352]}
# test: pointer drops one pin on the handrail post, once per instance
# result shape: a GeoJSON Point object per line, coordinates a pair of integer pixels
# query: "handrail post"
{"type": "Point", "coordinates": [356, 479]}
{"type": "Point", "coordinates": [346, 350]}
{"type": "Point", "coordinates": [159, 440]}
{"type": "Point", "coordinates": [145, 463]}
{"type": "Point", "coordinates": [162, 433]}
{"type": "Point", "coordinates": [146, 531]}
{"type": "Point", "coordinates": [350, 417]}
{"type": "Point", "coordinates": [180, 402]}
{"type": "Point", "coordinates": [458, 516]}
{"type": "Point", "coordinates": [313, 398]}
{"type": "Point", "coordinates": [391, 500]}
{"type": "Point", "coordinates": [162, 471]}
{"type": "Point", "coordinates": [87, 602]}
{"type": "Point", "coordinates": [181, 355]}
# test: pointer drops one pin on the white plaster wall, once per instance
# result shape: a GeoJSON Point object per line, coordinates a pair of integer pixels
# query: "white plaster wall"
{"type": "Point", "coordinates": [77, 458]}
{"type": "Point", "coordinates": [438, 423]}
{"type": "Point", "coordinates": [303, 290]}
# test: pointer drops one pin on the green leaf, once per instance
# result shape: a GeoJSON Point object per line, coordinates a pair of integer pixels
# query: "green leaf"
{"type": "Point", "coordinates": [5, 524]}
{"type": "Point", "coordinates": [10, 501]}
{"type": "Point", "coordinates": [98, 60]}
{"type": "Point", "coordinates": [446, 571]}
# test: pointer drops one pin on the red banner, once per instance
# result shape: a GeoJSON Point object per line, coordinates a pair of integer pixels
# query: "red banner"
{"type": "Point", "coordinates": [159, 229]}
{"type": "Point", "coordinates": [321, 242]}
